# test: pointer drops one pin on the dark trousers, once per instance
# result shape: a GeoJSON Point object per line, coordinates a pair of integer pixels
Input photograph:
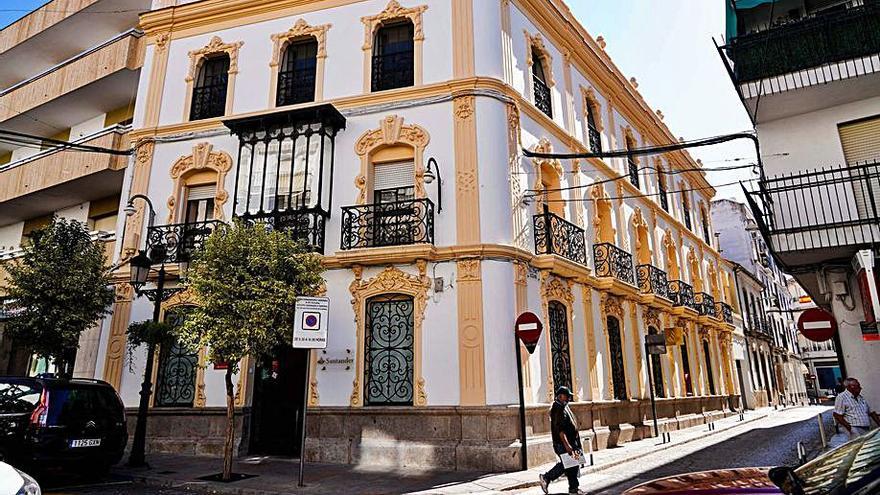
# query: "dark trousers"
{"type": "Point", "coordinates": [558, 470]}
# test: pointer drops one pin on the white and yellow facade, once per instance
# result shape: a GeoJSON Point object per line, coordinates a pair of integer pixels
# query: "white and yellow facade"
{"type": "Point", "coordinates": [471, 107]}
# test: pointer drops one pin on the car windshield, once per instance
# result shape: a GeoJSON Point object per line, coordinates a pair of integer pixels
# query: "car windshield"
{"type": "Point", "coordinates": [79, 403]}
{"type": "Point", "coordinates": [851, 469]}
{"type": "Point", "coordinates": [19, 398]}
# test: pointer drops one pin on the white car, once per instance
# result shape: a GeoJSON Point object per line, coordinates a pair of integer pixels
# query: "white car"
{"type": "Point", "coordinates": [14, 482]}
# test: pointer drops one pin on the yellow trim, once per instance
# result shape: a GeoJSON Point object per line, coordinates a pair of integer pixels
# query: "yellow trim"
{"type": "Point", "coordinates": [471, 355]}
{"type": "Point", "coordinates": [391, 132]}
{"type": "Point", "coordinates": [115, 356]}
{"type": "Point", "coordinates": [202, 159]}
{"type": "Point", "coordinates": [521, 291]}
{"type": "Point", "coordinates": [590, 342]}
{"type": "Point", "coordinates": [463, 64]}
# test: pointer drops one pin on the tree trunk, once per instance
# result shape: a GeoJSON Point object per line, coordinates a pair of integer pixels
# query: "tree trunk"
{"type": "Point", "coordinates": [230, 427]}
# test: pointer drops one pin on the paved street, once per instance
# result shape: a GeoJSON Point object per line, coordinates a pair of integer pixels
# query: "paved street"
{"type": "Point", "coordinates": [770, 442]}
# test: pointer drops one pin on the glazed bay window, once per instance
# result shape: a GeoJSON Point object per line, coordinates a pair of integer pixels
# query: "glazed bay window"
{"type": "Point", "coordinates": [209, 91]}
{"type": "Point", "coordinates": [285, 166]}
{"type": "Point", "coordinates": [394, 56]}
{"type": "Point", "coordinates": [296, 78]}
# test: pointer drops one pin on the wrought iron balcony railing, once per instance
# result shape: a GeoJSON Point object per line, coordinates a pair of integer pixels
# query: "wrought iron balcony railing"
{"type": "Point", "coordinates": [543, 99]}
{"type": "Point", "coordinates": [555, 235]}
{"type": "Point", "coordinates": [177, 243]}
{"type": "Point", "coordinates": [388, 224]}
{"type": "Point", "coordinates": [595, 139]}
{"type": "Point", "coordinates": [611, 261]}
{"type": "Point", "coordinates": [705, 304]}
{"type": "Point", "coordinates": [652, 280]}
{"type": "Point", "coordinates": [393, 70]}
{"type": "Point", "coordinates": [209, 101]}
{"type": "Point", "coordinates": [304, 225]}
{"type": "Point", "coordinates": [681, 294]}
{"type": "Point", "coordinates": [806, 43]}
{"type": "Point", "coordinates": [724, 312]}
{"type": "Point", "coordinates": [295, 86]}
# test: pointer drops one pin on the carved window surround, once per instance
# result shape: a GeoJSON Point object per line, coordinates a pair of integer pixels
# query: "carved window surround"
{"type": "Point", "coordinates": [611, 305]}
{"type": "Point", "coordinates": [591, 102]}
{"type": "Point", "coordinates": [394, 11]}
{"type": "Point", "coordinates": [392, 132]}
{"type": "Point", "coordinates": [557, 289]}
{"type": "Point", "coordinates": [197, 57]}
{"type": "Point", "coordinates": [536, 44]}
{"type": "Point", "coordinates": [202, 159]}
{"type": "Point", "coordinates": [390, 281]}
{"type": "Point", "coordinates": [602, 218]}
{"type": "Point", "coordinates": [301, 30]}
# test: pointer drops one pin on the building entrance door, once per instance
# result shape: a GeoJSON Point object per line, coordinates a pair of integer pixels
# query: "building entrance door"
{"type": "Point", "coordinates": [278, 408]}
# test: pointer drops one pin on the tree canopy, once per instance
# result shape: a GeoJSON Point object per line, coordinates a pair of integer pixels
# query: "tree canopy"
{"type": "Point", "coordinates": [59, 288]}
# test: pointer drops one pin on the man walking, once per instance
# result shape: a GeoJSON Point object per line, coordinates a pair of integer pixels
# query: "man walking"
{"type": "Point", "coordinates": [851, 410]}
{"type": "Point", "coordinates": [566, 441]}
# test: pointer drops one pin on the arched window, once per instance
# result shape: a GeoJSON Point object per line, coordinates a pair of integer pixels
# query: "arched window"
{"type": "Point", "coordinates": [686, 368]}
{"type": "Point", "coordinates": [388, 353]}
{"type": "Point", "coordinates": [615, 347]}
{"type": "Point", "coordinates": [705, 220]}
{"type": "Point", "coordinates": [709, 373]}
{"type": "Point", "coordinates": [661, 187]}
{"type": "Point", "coordinates": [686, 206]}
{"type": "Point", "coordinates": [543, 98]}
{"type": "Point", "coordinates": [593, 128]}
{"type": "Point", "coordinates": [209, 91]}
{"type": "Point", "coordinates": [656, 369]}
{"type": "Point", "coordinates": [176, 374]}
{"type": "Point", "coordinates": [632, 163]}
{"type": "Point", "coordinates": [559, 346]}
{"type": "Point", "coordinates": [552, 188]}
{"type": "Point", "coordinates": [297, 73]}
{"type": "Point", "coordinates": [393, 56]}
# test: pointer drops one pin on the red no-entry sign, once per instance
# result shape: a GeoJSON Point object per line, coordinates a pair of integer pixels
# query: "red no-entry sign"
{"type": "Point", "coordinates": [528, 329]}
{"type": "Point", "coordinates": [817, 325]}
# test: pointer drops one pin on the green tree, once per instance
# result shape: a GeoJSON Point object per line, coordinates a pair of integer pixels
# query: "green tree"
{"type": "Point", "coordinates": [246, 280]}
{"type": "Point", "coordinates": [59, 288]}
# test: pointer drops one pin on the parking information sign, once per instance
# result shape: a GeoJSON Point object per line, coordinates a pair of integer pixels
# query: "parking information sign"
{"type": "Point", "coordinates": [310, 327]}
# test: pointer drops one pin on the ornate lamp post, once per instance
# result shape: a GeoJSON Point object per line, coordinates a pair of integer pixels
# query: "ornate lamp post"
{"type": "Point", "coordinates": [141, 266]}
{"type": "Point", "coordinates": [430, 175]}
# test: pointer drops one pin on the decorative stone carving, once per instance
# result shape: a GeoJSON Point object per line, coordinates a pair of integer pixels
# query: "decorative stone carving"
{"type": "Point", "coordinates": [301, 29]}
{"type": "Point", "coordinates": [591, 102]}
{"type": "Point", "coordinates": [464, 107]}
{"type": "Point", "coordinates": [390, 281]}
{"type": "Point", "coordinates": [202, 158]}
{"type": "Point", "coordinates": [652, 318]}
{"type": "Point", "coordinates": [612, 306]}
{"type": "Point", "coordinates": [554, 288]}
{"type": "Point", "coordinates": [394, 11]}
{"type": "Point", "coordinates": [216, 45]}
{"type": "Point", "coordinates": [392, 131]}
{"type": "Point", "coordinates": [536, 44]}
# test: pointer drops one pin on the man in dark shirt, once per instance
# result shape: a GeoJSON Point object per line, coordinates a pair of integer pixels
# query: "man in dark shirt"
{"type": "Point", "coordinates": [566, 441]}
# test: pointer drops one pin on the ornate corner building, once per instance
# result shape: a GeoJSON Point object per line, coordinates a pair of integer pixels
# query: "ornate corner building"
{"type": "Point", "coordinates": [391, 142]}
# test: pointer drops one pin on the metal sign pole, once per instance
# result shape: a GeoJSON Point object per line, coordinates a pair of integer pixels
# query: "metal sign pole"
{"type": "Point", "coordinates": [524, 452]}
{"type": "Point", "coordinates": [302, 440]}
{"type": "Point", "coordinates": [651, 388]}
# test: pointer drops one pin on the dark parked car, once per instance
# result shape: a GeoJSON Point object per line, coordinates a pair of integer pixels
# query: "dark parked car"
{"type": "Point", "coordinates": [48, 422]}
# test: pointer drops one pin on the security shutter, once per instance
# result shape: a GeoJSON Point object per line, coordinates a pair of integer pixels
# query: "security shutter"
{"type": "Point", "coordinates": [861, 144]}
{"type": "Point", "coordinates": [201, 192]}
{"type": "Point", "coordinates": [393, 175]}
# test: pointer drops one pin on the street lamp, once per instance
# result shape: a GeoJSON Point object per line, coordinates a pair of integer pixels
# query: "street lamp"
{"type": "Point", "coordinates": [429, 177]}
{"type": "Point", "coordinates": [141, 266]}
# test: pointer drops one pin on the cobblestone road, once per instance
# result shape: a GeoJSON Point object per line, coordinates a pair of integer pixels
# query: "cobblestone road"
{"type": "Point", "coordinates": [770, 442]}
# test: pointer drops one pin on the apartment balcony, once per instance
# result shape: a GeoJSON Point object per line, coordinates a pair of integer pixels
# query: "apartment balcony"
{"type": "Point", "coordinates": [705, 304]}
{"type": "Point", "coordinates": [306, 225]}
{"type": "Point", "coordinates": [819, 217]}
{"type": "Point", "coordinates": [399, 223]}
{"type": "Point", "coordinates": [681, 294]}
{"type": "Point", "coordinates": [178, 242]}
{"type": "Point", "coordinates": [555, 235]}
{"type": "Point", "coordinates": [57, 178]}
{"type": "Point", "coordinates": [724, 312]}
{"type": "Point", "coordinates": [95, 81]}
{"type": "Point", "coordinates": [652, 280]}
{"type": "Point", "coordinates": [611, 261]}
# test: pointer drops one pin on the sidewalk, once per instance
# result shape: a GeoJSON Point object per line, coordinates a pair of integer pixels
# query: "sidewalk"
{"type": "Point", "coordinates": [279, 476]}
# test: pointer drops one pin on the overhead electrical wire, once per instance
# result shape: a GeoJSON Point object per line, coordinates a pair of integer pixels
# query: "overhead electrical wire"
{"type": "Point", "coordinates": [645, 150]}
{"type": "Point", "coordinates": [645, 195]}
{"type": "Point", "coordinates": [29, 140]}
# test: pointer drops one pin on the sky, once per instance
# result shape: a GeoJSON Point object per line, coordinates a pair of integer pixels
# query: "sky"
{"type": "Point", "coordinates": [667, 46]}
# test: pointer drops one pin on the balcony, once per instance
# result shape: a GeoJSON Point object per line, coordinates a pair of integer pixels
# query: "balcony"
{"type": "Point", "coordinates": [681, 294]}
{"type": "Point", "coordinates": [98, 78]}
{"type": "Point", "coordinates": [388, 224]}
{"type": "Point", "coordinates": [807, 43]}
{"type": "Point", "coordinates": [57, 178]}
{"type": "Point", "coordinates": [705, 304]}
{"type": "Point", "coordinates": [176, 243]}
{"type": "Point", "coordinates": [393, 70]}
{"type": "Point", "coordinates": [652, 280]}
{"type": "Point", "coordinates": [554, 235]}
{"type": "Point", "coordinates": [306, 225]}
{"type": "Point", "coordinates": [543, 99]}
{"type": "Point", "coordinates": [724, 312]}
{"type": "Point", "coordinates": [821, 216]}
{"type": "Point", "coordinates": [611, 261]}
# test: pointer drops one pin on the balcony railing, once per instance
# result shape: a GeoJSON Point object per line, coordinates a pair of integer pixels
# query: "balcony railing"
{"type": "Point", "coordinates": [595, 139]}
{"type": "Point", "coordinates": [611, 261]}
{"type": "Point", "coordinates": [819, 215]}
{"type": "Point", "coordinates": [705, 304]}
{"type": "Point", "coordinates": [295, 86]}
{"type": "Point", "coordinates": [652, 280]}
{"type": "Point", "coordinates": [681, 294]}
{"type": "Point", "coordinates": [393, 70]}
{"type": "Point", "coordinates": [807, 43]}
{"type": "Point", "coordinates": [543, 100]}
{"type": "Point", "coordinates": [724, 312]}
{"type": "Point", "coordinates": [555, 235]}
{"type": "Point", "coordinates": [388, 224]}
{"type": "Point", "coordinates": [178, 242]}
{"type": "Point", "coordinates": [304, 225]}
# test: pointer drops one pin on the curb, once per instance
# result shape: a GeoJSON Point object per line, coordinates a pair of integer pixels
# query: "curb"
{"type": "Point", "coordinates": [660, 448]}
{"type": "Point", "coordinates": [202, 487]}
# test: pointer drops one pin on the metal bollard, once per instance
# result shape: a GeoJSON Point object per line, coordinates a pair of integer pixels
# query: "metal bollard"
{"type": "Point", "coordinates": [822, 431]}
{"type": "Point", "coordinates": [590, 444]}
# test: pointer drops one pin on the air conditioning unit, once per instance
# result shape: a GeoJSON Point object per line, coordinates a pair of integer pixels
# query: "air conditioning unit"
{"type": "Point", "coordinates": [863, 266]}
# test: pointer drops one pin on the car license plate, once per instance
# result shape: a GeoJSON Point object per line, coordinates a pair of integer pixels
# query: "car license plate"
{"type": "Point", "coordinates": [89, 442]}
